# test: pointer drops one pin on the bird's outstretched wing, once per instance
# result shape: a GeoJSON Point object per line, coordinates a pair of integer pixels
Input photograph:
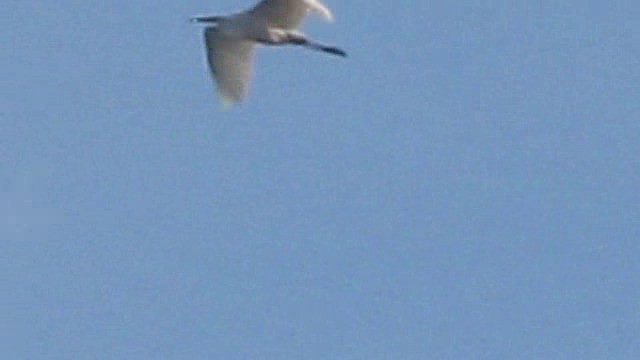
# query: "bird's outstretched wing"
{"type": "Point", "coordinates": [288, 14]}
{"type": "Point", "coordinates": [231, 61]}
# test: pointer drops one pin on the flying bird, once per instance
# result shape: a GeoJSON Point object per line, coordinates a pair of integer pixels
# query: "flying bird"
{"type": "Point", "coordinates": [231, 40]}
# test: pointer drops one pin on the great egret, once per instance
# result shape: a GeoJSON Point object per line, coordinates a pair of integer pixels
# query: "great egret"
{"type": "Point", "coordinates": [230, 42]}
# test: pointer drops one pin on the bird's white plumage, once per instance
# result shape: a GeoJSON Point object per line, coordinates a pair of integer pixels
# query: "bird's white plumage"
{"type": "Point", "coordinates": [231, 61]}
{"type": "Point", "coordinates": [230, 42]}
{"type": "Point", "coordinates": [288, 14]}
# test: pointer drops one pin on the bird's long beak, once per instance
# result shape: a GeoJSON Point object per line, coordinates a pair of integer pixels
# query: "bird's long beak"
{"type": "Point", "coordinates": [206, 19]}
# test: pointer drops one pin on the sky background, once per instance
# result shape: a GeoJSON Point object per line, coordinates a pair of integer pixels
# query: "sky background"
{"type": "Point", "coordinates": [464, 186]}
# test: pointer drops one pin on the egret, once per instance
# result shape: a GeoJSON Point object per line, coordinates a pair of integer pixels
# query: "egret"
{"type": "Point", "coordinates": [231, 40]}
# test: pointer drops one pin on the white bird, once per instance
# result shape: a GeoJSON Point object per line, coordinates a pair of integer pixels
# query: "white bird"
{"type": "Point", "coordinates": [231, 41]}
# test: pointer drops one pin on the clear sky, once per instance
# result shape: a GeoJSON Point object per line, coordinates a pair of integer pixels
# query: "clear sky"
{"type": "Point", "coordinates": [464, 186]}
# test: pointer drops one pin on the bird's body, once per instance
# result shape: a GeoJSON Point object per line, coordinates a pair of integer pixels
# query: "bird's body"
{"type": "Point", "coordinates": [231, 42]}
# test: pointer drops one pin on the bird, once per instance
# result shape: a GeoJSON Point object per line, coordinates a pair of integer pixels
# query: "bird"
{"type": "Point", "coordinates": [230, 41]}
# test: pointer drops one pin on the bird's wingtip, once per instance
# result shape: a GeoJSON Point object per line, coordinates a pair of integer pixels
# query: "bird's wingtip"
{"type": "Point", "coordinates": [226, 101]}
{"type": "Point", "coordinates": [328, 15]}
{"type": "Point", "coordinates": [321, 9]}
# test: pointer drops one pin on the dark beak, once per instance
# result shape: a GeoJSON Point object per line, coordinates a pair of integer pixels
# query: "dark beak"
{"type": "Point", "coordinates": [206, 19]}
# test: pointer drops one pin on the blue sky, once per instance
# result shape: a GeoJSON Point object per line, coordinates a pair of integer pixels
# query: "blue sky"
{"type": "Point", "coordinates": [463, 186]}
